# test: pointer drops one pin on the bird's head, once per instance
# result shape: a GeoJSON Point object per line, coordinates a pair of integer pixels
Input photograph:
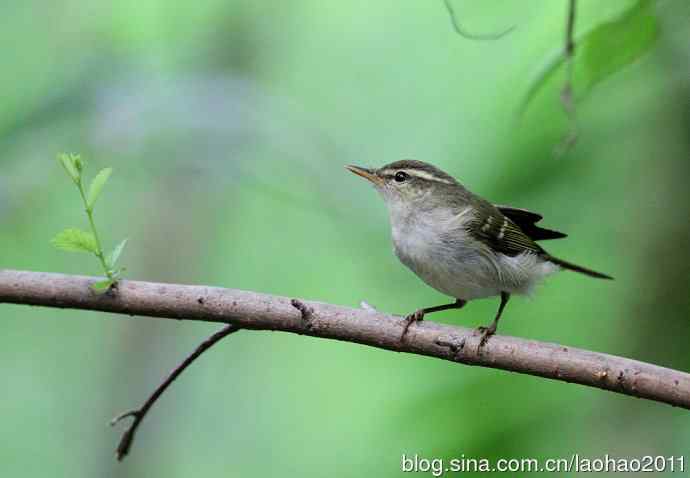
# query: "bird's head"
{"type": "Point", "coordinates": [412, 184]}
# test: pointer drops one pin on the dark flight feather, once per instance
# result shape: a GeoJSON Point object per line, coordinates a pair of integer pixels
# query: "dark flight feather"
{"type": "Point", "coordinates": [499, 232]}
{"type": "Point", "coordinates": [526, 220]}
{"type": "Point", "coordinates": [512, 231]}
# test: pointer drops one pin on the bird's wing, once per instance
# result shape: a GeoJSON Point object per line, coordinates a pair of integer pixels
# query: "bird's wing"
{"type": "Point", "coordinates": [527, 221]}
{"type": "Point", "coordinates": [517, 212]}
{"type": "Point", "coordinates": [498, 231]}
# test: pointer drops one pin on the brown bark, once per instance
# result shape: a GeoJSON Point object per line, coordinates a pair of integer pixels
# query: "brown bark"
{"type": "Point", "coordinates": [252, 310]}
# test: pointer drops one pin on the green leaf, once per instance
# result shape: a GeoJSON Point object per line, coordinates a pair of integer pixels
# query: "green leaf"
{"type": "Point", "coordinates": [115, 254]}
{"type": "Point", "coordinates": [541, 78]}
{"type": "Point", "coordinates": [102, 286]}
{"type": "Point", "coordinates": [602, 51]}
{"type": "Point", "coordinates": [75, 240]}
{"type": "Point", "coordinates": [97, 186]}
{"type": "Point", "coordinates": [613, 45]}
{"type": "Point", "coordinates": [78, 162]}
{"type": "Point", "coordinates": [67, 162]}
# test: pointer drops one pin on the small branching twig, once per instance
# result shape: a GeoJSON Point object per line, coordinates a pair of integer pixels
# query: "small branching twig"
{"type": "Point", "coordinates": [139, 413]}
{"type": "Point", "coordinates": [77, 240]}
{"type": "Point", "coordinates": [305, 311]}
{"type": "Point", "coordinates": [567, 95]}
{"type": "Point", "coordinates": [472, 36]}
{"type": "Point", "coordinates": [569, 52]}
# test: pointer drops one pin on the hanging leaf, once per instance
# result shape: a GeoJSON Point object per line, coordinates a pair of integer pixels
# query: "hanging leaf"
{"type": "Point", "coordinates": [97, 186]}
{"type": "Point", "coordinates": [614, 45]}
{"type": "Point", "coordinates": [602, 51]}
{"type": "Point", "coordinates": [75, 240]}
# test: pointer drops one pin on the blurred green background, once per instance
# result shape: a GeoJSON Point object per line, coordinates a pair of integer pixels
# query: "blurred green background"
{"type": "Point", "coordinates": [228, 124]}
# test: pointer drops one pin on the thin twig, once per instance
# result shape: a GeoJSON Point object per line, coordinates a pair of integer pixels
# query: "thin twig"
{"type": "Point", "coordinates": [139, 413]}
{"type": "Point", "coordinates": [306, 312]}
{"type": "Point", "coordinates": [567, 98]}
{"type": "Point", "coordinates": [472, 36]}
{"type": "Point", "coordinates": [570, 29]}
{"type": "Point", "coordinates": [253, 310]}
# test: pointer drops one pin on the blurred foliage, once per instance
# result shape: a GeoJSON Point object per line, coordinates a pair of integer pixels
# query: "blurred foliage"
{"type": "Point", "coordinates": [606, 49]}
{"type": "Point", "coordinates": [229, 124]}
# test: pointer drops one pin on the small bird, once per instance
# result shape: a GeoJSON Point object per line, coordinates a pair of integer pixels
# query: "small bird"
{"type": "Point", "coordinates": [458, 242]}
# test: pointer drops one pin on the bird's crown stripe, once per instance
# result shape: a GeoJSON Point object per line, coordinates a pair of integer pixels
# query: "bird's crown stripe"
{"type": "Point", "coordinates": [418, 173]}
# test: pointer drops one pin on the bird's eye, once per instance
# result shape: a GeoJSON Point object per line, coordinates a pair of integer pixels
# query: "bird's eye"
{"type": "Point", "coordinates": [401, 176]}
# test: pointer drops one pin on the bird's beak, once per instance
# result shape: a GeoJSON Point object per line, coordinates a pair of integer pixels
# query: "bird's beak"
{"type": "Point", "coordinates": [366, 173]}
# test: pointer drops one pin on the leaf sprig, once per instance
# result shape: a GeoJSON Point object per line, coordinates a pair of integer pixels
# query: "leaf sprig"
{"type": "Point", "coordinates": [77, 240]}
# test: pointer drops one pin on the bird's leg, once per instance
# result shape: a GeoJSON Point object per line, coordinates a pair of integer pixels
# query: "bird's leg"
{"type": "Point", "coordinates": [418, 316]}
{"type": "Point", "coordinates": [491, 329]}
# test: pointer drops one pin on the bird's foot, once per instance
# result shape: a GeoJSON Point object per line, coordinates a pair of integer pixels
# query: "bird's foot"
{"type": "Point", "coordinates": [417, 316]}
{"type": "Point", "coordinates": [486, 332]}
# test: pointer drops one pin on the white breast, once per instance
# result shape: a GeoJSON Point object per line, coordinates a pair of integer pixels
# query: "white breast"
{"type": "Point", "coordinates": [437, 248]}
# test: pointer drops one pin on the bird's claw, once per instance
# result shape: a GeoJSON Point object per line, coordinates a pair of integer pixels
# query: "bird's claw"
{"type": "Point", "coordinates": [417, 316]}
{"type": "Point", "coordinates": [486, 332]}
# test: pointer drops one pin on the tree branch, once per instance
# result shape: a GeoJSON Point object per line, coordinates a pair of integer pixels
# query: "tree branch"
{"type": "Point", "coordinates": [252, 310]}
{"type": "Point", "coordinates": [139, 413]}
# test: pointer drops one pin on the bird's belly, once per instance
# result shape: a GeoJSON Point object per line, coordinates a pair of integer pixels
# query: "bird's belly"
{"type": "Point", "coordinates": [465, 271]}
{"type": "Point", "coordinates": [454, 270]}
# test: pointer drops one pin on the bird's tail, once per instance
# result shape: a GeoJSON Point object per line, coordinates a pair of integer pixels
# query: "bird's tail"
{"type": "Point", "coordinates": [576, 268]}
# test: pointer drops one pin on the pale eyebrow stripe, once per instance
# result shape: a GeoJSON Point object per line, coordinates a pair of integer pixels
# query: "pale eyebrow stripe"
{"type": "Point", "coordinates": [419, 174]}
